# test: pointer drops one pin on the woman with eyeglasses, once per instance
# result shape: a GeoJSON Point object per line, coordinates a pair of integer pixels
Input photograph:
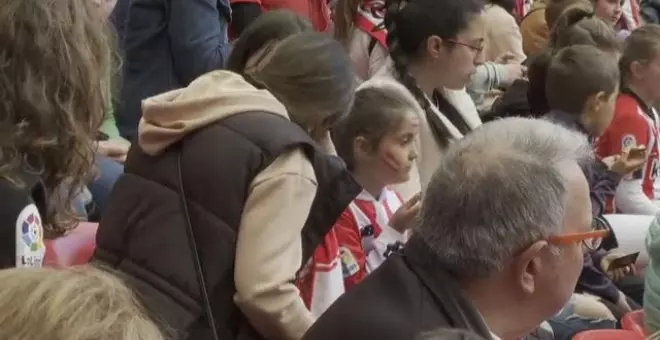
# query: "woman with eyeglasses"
{"type": "Point", "coordinates": [435, 48]}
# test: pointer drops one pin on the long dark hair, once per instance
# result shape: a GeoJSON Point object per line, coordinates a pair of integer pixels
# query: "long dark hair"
{"type": "Point", "coordinates": [270, 26]}
{"type": "Point", "coordinates": [409, 25]}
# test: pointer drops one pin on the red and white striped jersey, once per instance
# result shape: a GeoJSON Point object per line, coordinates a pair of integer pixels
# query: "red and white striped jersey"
{"type": "Point", "coordinates": [365, 236]}
{"type": "Point", "coordinates": [321, 281]}
{"type": "Point", "coordinates": [359, 242]}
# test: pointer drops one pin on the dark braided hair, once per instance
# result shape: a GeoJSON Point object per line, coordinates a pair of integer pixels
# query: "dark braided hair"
{"type": "Point", "coordinates": [409, 24]}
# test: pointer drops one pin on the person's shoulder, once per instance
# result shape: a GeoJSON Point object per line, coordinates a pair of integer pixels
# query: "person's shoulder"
{"type": "Point", "coordinates": [627, 107]}
{"type": "Point", "coordinates": [383, 306]}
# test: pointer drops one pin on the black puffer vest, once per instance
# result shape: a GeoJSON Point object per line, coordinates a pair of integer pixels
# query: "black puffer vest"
{"type": "Point", "coordinates": [143, 233]}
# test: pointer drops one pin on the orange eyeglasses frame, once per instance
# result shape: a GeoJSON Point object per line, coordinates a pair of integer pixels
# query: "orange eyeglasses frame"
{"type": "Point", "coordinates": [571, 238]}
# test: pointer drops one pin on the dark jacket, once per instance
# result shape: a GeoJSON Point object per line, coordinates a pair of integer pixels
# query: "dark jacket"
{"type": "Point", "coordinates": [166, 44]}
{"type": "Point", "coordinates": [23, 208]}
{"type": "Point", "coordinates": [602, 184]}
{"type": "Point", "coordinates": [406, 296]}
{"type": "Point", "coordinates": [144, 230]}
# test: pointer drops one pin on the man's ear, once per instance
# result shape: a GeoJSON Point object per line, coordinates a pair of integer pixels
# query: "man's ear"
{"type": "Point", "coordinates": [529, 265]}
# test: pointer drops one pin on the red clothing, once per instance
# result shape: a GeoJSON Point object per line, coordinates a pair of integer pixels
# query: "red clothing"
{"type": "Point", "coordinates": [370, 18]}
{"type": "Point", "coordinates": [364, 235]}
{"type": "Point", "coordinates": [317, 11]}
{"type": "Point", "coordinates": [360, 241]}
{"type": "Point", "coordinates": [634, 124]}
{"type": "Point", "coordinates": [320, 281]}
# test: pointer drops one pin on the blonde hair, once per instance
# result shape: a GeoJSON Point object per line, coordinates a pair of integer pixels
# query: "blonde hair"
{"type": "Point", "coordinates": [79, 303]}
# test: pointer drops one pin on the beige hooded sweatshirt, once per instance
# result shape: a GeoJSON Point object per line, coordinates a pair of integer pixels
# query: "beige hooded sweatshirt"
{"type": "Point", "coordinates": [269, 246]}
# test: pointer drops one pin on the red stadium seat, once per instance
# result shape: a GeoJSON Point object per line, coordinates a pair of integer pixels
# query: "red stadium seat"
{"type": "Point", "coordinates": [634, 322]}
{"type": "Point", "coordinates": [608, 334]}
{"type": "Point", "coordinates": [76, 248]}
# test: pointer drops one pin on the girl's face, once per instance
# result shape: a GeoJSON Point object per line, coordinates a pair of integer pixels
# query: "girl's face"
{"type": "Point", "coordinates": [395, 154]}
{"type": "Point", "coordinates": [609, 10]}
{"type": "Point", "coordinates": [455, 60]}
{"type": "Point", "coordinates": [649, 77]}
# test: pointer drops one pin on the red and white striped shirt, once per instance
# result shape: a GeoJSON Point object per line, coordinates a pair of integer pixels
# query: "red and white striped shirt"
{"type": "Point", "coordinates": [359, 242]}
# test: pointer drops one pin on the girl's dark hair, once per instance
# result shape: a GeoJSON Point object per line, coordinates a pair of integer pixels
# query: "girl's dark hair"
{"type": "Point", "coordinates": [376, 112]}
{"type": "Point", "coordinates": [576, 25]}
{"type": "Point", "coordinates": [270, 26]}
{"type": "Point", "coordinates": [310, 73]}
{"type": "Point", "coordinates": [55, 60]}
{"type": "Point", "coordinates": [409, 24]}
{"type": "Point", "coordinates": [536, 74]}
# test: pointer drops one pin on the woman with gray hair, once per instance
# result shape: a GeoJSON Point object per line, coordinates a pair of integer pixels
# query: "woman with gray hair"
{"type": "Point", "coordinates": [507, 211]}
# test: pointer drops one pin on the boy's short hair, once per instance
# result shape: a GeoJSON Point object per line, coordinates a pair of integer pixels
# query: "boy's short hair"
{"type": "Point", "coordinates": [578, 72]}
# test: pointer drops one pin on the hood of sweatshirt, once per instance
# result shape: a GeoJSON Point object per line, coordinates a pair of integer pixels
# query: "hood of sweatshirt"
{"type": "Point", "coordinates": [169, 117]}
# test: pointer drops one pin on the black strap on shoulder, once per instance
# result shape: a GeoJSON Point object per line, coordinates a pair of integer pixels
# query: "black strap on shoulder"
{"type": "Point", "coordinates": [195, 253]}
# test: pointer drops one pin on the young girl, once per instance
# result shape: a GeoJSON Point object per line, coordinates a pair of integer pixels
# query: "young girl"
{"type": "Point", "coordinates": [623, 15]}
{"type": "Point", "coordinates": [55, 57]}
{"type": "Point", "coordinates": [435, 63]}
{"type": "Point", "coordinates": [636, 122]}
{"type": "Point", "coordinates": [376, 141]}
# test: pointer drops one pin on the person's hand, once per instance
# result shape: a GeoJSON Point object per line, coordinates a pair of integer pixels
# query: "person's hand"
{"type": "Point", "coordinates": [622, 303]}
{"type": "Point", "coordinates": [115, 149]}
{"type": "Point", "coordinates": [513, 72]}
{"type": "Point", "coordinates": [628, 161]}
{"type": "Point", "coordinates": [619, 273]}
{"type": "Point", "coordinates": [403, 218]}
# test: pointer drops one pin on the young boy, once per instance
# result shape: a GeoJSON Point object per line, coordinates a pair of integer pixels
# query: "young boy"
{"type": "Point", "coordinates": [582, 85]}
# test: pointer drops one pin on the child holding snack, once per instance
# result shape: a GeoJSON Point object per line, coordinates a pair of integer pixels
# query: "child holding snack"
{"type": "Point", "coordinates": [377, 142]}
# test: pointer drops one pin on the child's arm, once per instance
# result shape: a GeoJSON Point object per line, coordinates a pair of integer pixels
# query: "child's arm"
{"type": "Point", "coordinates": [603, 187]}
{"type": "Point", "coordinates": [351, 253]}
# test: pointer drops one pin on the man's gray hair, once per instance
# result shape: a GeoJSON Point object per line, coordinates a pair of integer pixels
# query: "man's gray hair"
{"type": "Point", "coordinates": [499, 190]}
